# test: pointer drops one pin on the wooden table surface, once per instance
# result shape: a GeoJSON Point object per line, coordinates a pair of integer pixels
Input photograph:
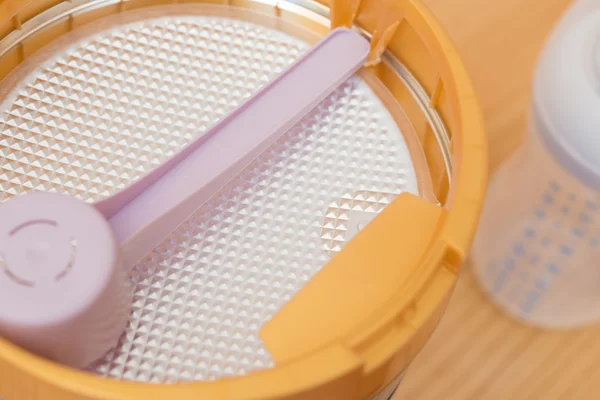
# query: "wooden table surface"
{"type": "Point", "coordinates": [477, 352]}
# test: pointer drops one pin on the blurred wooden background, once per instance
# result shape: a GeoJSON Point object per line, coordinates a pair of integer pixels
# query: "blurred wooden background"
{"type": "Point", "coordinates": [477, 353]}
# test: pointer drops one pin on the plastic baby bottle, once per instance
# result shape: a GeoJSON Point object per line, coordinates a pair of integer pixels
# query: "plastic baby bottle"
{"type": "Point", "coordinates": [537, 252]}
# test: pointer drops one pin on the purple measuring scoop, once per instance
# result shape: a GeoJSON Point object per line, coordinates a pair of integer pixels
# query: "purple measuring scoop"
{"type": "Point", "coordinates": [64, 292]}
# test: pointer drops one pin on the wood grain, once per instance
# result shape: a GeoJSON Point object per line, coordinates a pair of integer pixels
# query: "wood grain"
{"type": "Point", "coordinates": [478, 353]}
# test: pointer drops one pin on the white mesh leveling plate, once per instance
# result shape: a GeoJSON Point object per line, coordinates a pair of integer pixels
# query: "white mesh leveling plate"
{"type": "Point", "coordinates": [103, 108]}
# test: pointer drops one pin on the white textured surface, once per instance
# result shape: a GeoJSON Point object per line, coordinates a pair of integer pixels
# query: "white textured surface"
{"type": "Point", "coordinates": [105, 109]}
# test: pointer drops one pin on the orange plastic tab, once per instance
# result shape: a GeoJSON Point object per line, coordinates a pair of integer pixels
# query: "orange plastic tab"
{"type": "Point", "coordinates": [360, 279]}
{"type": "Point", "coordinates": [344, 12]}
{"type": "Point", "coordinates": [379, 43]}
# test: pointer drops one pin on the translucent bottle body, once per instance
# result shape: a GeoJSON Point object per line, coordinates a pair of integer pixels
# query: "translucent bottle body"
{"type": "Point", "coordinates": [537, 251]}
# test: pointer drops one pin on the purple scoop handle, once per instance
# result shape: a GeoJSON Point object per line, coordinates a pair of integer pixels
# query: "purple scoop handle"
{"type": "Point", "coordinates": [147, 211]}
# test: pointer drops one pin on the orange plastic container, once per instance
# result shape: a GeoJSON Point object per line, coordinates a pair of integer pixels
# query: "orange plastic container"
{"type": "Point", "coordinates": [351, 331]}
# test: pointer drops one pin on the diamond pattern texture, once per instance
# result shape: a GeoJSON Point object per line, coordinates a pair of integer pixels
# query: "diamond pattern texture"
{"type": "Point", "coordinates": [107, 108]}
